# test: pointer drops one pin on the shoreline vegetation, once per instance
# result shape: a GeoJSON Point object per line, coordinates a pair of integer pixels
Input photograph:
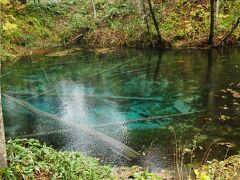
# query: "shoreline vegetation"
{"type": "Point", "coordinates": [29, 28]}
{"type": "Point", "coordinates": [30, 159]}
{"type": "Point", "coordinates": [33, 27]}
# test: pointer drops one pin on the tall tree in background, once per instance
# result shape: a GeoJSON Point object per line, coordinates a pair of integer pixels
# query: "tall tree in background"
{"type": "Point", "coordinates": [217, 11]}
{"type": "Point", "coordinates": [211, 33]}
{"type": "Point", "coordinates": [145, 18]}
{"type": "Point", "coordinates": [160, 40]}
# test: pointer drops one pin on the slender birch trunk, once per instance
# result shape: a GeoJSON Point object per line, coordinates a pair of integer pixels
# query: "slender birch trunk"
{"type": "Point", "coordinates": [217, 10]}
{"type": "Point", "coordinates": [3, 154]}
{"type": "Point", "coordinates": [94, 10]}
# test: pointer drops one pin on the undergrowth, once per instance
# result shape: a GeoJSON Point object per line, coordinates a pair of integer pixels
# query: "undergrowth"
{"type": "Point", "coordinates": [29, 159]}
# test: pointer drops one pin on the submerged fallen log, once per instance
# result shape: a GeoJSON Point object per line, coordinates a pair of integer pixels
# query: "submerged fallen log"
{"type": "Point", "coordinates": [117, 145]}
{"type": "Point", "coordinates": [49, 93]}
{"type": "Point", "coordinates": [45, 74]}
{"type": "Point", "coordinates": [110, 69]}
{"type": "Point", "coordinates": [6, 74]}
{"type": "Point", "coordinates": [146, 119]}
{"type": "Point", "coordinates": [135, 70]}
{"type": "Point", "coordinates": [123, 98]}
{"type": "Point", "coordinates": [40, 94]}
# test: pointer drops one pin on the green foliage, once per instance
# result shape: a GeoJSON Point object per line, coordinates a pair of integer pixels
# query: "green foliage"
{"type": "Point", "coordinates": [6, 56]}
{"type": "Point", "coordinates": [146, 176]}
{"type": "Point", "coordinates": [183, 23]}
{"type": "Point", "coordinates": [227, 169]}
{"type": "Point", "coordinates": [30, 159]}
{"type": "Point", "coordinates": [117, 10]}
{"type": "Point", "coordinates": [4, 2]}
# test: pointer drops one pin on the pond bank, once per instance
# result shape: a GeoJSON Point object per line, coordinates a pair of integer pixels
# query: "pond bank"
{"type": "Point", "coordinates": [28, 28]}
{"type": "Point", "coordinates": [27, 158]}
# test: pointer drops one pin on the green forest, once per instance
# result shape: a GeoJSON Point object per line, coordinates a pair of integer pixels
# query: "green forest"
{"type": "Point", "coordinates": [120, 89]}
{"type": "Point", "coordinates": [29, 26]}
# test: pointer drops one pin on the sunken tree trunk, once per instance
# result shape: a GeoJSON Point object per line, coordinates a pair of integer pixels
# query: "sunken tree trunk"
{"type": "Point", "coordinates": [211, 33]}
{"type": "Point", "coordinates": [117, 146]}
{"type": "Point", "coordinates": [160, 40]}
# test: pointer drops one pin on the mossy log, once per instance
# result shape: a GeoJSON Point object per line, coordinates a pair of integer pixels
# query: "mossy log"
{"type": "Point", "coordinates": [116, 145]}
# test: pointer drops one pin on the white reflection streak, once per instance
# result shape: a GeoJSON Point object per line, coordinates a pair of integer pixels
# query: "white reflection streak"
{"type": "Point", "coordinates": [76, 108]}
{"type": "Point", "coordinates": [74, 105]}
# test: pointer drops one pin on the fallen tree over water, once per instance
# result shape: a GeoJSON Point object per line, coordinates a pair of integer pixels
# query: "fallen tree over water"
{"type": "Point", "coordinates": [117, 145]}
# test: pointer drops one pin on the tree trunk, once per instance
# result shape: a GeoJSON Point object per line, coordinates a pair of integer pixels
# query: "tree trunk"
{"type": "Point", "coordinates": [234, 26]}
{"type": "Point", "coordinates": [3, 154]}
{"type": "Point", "coordinates": [23, 1]}
{"type": "Point", "coordinates": [146, 21]}
{"type": "Point", "coordinates": [160, 41]}
{"type": "Point", "coordinates": [94, 10]}
{"type": "Point", "coordinates": [217, 11]}
{"type": "Point", "coordinates": [211, 33]}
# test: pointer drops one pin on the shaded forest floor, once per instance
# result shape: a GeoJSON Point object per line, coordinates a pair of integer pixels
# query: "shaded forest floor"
{"type": "Point", "coordinates": [27, 28]}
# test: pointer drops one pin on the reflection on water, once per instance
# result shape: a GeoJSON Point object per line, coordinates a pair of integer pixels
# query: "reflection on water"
{"type": "Point", "coordinates": [129, 97]}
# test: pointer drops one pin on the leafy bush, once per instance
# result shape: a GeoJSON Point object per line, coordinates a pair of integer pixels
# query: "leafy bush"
{"type": "Point", "coordinates": [28, 159]}
{"type": "Point", "coordinates": [227, 169]}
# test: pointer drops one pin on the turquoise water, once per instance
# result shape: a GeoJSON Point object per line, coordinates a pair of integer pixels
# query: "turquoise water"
{"type": "Point", "coordinates": [132, 96]}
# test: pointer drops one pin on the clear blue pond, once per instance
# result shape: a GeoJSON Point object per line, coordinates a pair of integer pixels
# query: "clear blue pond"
{"type": "Point", "coordinates": [130, 96]}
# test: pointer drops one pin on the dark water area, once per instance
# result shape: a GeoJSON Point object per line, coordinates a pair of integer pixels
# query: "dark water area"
{"type": "Point", "coordinates": [132, 96]}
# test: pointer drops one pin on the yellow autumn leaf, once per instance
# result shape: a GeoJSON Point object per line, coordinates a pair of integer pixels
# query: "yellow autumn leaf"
{"type": "Point", "coordinates": [201, 175]}
{"type": "Point", "coordinates": [9, 27]}
{"type": "Point", "coordinates": [4, 2]}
